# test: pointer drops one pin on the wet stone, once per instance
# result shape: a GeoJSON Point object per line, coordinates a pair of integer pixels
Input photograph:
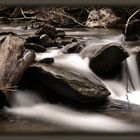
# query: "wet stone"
{"type": "Point", "coordinates": [45, 40]}
{"type": "Point", "coordinates": [3, 99]}
{"type": "Point", "coordinates": [58, 84]}
{"type": "Point", "coordinates": [60, 33]}
{"type": "Point", "coordinates": [132, 32]}
{"type": "Point", "coordinates": [102, 59]}
{"type": "Point", "coordinates": [47, 60]}
{"type": "Point", "coordinates": [58, 41]}
{"type": "Point", "coordinates": [47, 29]}
{"type": "Point", "coordinates": [33, 39]}
{"type": "Point", "coordinates": [74, 47]}
{"type": "Point", "coordinates": [36, 47]}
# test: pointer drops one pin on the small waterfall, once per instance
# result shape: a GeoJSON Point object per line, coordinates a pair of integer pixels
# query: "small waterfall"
{"type": "Point", "coordinates": [30, 104]}
{"type": "Point", "coordinates": [133, 71]}
{"type": "Point", "coordinates": [128, 88]}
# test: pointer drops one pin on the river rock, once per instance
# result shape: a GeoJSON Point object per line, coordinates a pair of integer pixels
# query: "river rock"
{"type": "Point", "coordinates": [104, 58]}
{"type": "Point", "coordinates": [36, 47]}
{"type": "Point", "coordinates": [33, 39]}
{"type": "Point", "coordinates": [74, 47]}
{"type": "Point", "coordinates": [68, 40]}
{"type": "Point", "coordinates": [132, 31]}
{"type": "Point", "coordinates": [55, 82]}
{"type": "Point", "coordinates": [14, 60]}
{"type": "Point", "coordinates": [138, 60]}
{"type": "Point", "coordinates": [3, 99]}
{"type": "Point", "coordinates": [114, 73]}
{"type": "Point", "coordinates": [60, 33]}
{"type": "Point", "coordinates": [47, 60]}
{"type": "Point", "coordinates": [47, 29]}
{"type": "Point", "coordinates": [46, 41]}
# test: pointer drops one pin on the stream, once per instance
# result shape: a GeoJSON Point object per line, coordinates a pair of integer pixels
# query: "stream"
{"type": "Point", "coordinates": [29, 114]}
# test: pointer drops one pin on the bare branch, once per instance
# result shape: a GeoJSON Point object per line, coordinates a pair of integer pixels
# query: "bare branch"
{"type": "Point", "coordinates": [70, 17]}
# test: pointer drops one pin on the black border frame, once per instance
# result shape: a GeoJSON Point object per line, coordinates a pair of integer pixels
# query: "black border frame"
{"type": "Point", "coordinates": [71, 2]}
{"type": "Point", "coordinates": [69, 136]}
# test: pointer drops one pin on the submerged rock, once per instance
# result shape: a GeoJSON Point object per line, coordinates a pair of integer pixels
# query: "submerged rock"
{"type": "Point", "coordinates": [58, 83]}
{"type": "Point", "coordinates": [74, 47]}
{"type": "Point", "coordinates": [104, 58]}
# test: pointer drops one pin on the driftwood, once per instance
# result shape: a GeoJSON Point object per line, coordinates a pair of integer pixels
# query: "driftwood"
{"type": "Point", "coordinates": [14, 59]}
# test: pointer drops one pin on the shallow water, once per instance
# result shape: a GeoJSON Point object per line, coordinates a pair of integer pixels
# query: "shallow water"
{"type": "Point", "coordinates": [115, 116]}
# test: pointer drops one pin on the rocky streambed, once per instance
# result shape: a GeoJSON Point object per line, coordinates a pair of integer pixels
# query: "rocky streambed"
{"type": "Point", "coordinates": [68, 80]}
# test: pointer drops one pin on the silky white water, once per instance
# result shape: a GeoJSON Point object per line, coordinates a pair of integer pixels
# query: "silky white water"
{"type": "Point", "coordinates": [32, 106]}
{"type": "Point", "coordinates": [118, 88]}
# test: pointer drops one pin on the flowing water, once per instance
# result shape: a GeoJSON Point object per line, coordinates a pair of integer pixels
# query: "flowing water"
{"type": "Point", "coordinates": [122, 114]}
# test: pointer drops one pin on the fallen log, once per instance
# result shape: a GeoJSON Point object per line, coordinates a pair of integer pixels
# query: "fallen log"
{"type": "Point", "coordinates": [14, 59]}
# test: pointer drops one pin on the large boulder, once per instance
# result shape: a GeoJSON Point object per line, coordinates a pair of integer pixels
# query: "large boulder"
{"type": "Point", "coordinates": [14, 60]}
{"type": "Point", "coordinates": [56, 83]}
{"type": "Point", "coordinates": [132, 30]}
{"type": "Point", "coordinates": [104, 58]}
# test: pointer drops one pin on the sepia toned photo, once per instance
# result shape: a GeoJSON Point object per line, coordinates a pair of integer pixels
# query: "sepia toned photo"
{"type": "Point", "coordinates": [69, 69]}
